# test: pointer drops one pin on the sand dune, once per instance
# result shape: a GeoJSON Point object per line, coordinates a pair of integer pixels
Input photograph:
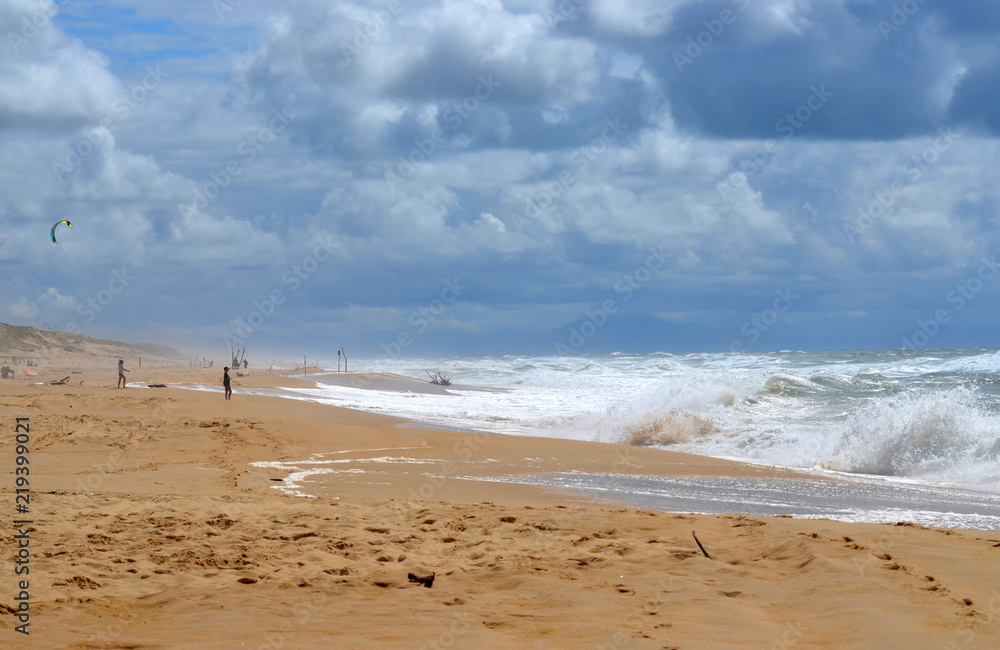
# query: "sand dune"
{"type": "Point", "coordinates": [53, 348]}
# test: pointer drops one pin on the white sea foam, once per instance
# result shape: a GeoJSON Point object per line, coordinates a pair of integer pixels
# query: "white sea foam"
{"type": "Point", "coordinates": [940, 436]}
{"type": "Point", "coordinates": [932, 416]}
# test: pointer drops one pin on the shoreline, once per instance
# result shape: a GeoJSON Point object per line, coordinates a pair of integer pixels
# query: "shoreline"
{"type": "Point", "coordinates": [153, 529]}
{"type": "Point", "coordinates": [952, 502]}
{"type": "Point", "coordinates": [261, 383]}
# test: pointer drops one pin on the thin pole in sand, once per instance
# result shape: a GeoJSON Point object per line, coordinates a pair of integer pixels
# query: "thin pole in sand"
{"type": "Point", "coordinates": [698, 542]}
{"type": "Point", "coordinates": [305, 368]}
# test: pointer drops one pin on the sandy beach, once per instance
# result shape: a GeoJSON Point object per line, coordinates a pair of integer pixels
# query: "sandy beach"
{"type": "Point", "coordinates": [156, 523]}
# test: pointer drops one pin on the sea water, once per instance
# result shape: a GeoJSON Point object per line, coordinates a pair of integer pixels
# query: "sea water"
{"type": "Point", "coordinates": [925, 417]}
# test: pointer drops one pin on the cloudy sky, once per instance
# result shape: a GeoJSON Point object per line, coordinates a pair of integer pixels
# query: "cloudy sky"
{"type": "Point", "coordinates": [434, 177]}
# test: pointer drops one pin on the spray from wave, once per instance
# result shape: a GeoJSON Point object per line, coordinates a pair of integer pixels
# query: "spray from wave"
{"type": "Point", "coordinates": [677, 427]}
{"type": "Point", "coordinates": [674, 412]}
{"type": "Point", "coordinates": [938, 435]}
{"type": "Point", "coordinates": [925, 415]}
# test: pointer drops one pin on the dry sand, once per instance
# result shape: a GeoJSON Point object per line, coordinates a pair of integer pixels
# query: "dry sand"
{"type": "Point", "coordinates": [153, 530]}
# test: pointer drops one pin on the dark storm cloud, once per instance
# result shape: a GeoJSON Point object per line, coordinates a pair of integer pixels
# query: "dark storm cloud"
{"type": "Point", "coordinates": [967, 17]}
{"type": "Point", "coordinates": [977, 99]}
{"type": "Point", "coordinates": [740, 78]}
{"type": "Point", "coordinates": [523, 193]}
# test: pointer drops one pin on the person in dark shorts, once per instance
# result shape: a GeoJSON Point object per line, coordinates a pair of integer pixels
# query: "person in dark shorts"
{"type": "Point", "coordinates": [225, 383]}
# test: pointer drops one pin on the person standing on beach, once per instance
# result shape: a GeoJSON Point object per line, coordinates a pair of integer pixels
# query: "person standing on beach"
{"type": "Point", "coordinates": [121, 373]}
{"type": "Point", "coordinates": [225, 382]}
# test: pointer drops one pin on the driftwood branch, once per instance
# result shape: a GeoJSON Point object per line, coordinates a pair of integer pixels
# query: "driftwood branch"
{"type": "Point", "coordinates": [698, 542]}
{"type": "Point", "coordinates": [440, 379]}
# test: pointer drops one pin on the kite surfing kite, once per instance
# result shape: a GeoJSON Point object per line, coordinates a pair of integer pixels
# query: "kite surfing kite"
{"type": "Point", "coordinates": [54, 229]}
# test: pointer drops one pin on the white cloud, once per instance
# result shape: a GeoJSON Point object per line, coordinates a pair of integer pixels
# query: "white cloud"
{"type": "Point", "coordinates": [438, 47]}
{"type": "Point", "coordinates": [46, 79]}
{"type": "Point", "coordinates": [555, 114]}
{"type": "Point", "coordinates": [49, 305]}
{"type": "Point", "coordinates": [635, 18]}
{"type": "Point", "coordinates": [132, 194]}
{"type": "Point", "coordinates": [201, 237]}
{"type": "Point", "coordinates": [787, 15]}
{"type": "Point", "coordinates": [688, 260]}
{"type": "Point", "coordinates": [57, 302]}
{"type": "Point", "coordinates": [490, 220]}
{"type": "Point", "coordinates": [625, 65]}
{"type": "Point", "coordinates": [22, 310]}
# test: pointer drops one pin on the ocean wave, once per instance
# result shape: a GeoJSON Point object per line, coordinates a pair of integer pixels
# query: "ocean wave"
{"type": "Point", "coordinates": [922, 415]}
{"type": "Point", "coordinates": [677, 427]}
{"type": "Point", "coordinates": [933, 435]}
{"type": "Point", "coordinates": [985, 362]}
{"type": "Point", "coordinates": [679, 411]}
{"type": "Point", "coordinates": [789, 386]}
{"type": "Point", "coordinates": [814, 385]}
